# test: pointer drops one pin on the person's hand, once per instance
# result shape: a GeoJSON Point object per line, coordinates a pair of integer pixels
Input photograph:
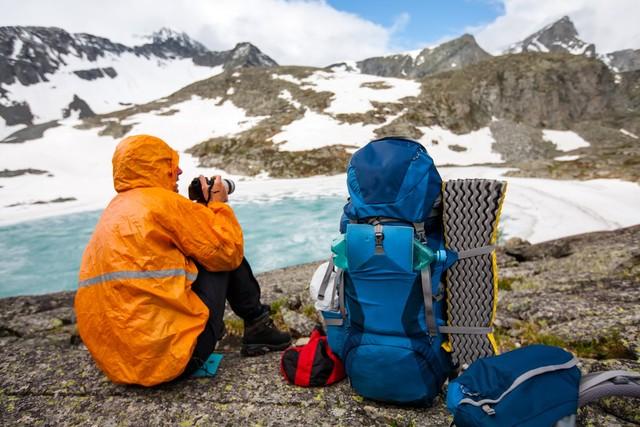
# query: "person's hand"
{"type": "Point", "coordinates": [218, 190]}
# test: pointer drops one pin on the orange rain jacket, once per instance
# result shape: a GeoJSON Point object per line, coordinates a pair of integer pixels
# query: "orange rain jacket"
{"type": "Point", "coordinates": [136, 311]}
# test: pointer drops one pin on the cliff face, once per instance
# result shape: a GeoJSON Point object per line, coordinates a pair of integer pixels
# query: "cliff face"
{"type": "Point", "coordinates": [579, 292]}
{"type": "Point", "coordinates": [452, 55]}
{"type": "Point", "coordinates": [541, 90]}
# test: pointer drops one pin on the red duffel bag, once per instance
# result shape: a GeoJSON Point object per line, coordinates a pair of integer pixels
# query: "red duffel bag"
{"type": "Point", "coordinates": [312, 364]}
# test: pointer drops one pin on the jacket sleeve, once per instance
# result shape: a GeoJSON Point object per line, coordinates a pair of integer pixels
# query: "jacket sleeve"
{"type": "Point", "coordinates": [210, 235]}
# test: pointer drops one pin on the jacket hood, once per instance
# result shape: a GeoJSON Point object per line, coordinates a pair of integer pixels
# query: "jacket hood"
{"type": "Point", "coordinates": [143, 161]}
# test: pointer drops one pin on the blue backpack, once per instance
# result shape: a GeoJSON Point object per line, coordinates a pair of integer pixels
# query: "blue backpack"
{"type": "Point", "coordinates": [533, 386]}
{"type": "Point", "coordinates": [386, 314]}
{"type": "Point", "coordinates": [386, 331]}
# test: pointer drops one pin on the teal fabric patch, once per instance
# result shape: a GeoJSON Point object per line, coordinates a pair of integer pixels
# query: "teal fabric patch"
{"type": "Point", "coordinates": [210, 367]}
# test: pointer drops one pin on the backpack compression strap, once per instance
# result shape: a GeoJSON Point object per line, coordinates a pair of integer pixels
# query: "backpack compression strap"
{"type": "Point", "coordinates": [470, 330]}
{"type": "Point", "coordinates": [597, 385]}
{"type": "Point", "coordinates": [427, 294]}
{"type": "Point", "coordinates": [428, 298]}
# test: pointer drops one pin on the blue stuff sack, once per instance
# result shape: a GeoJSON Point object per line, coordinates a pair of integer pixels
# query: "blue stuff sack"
{"type": "Point", "coordinates": [532, 386]}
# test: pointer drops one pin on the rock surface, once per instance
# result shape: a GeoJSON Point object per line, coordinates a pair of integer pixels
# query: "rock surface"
{"type": "Point", "coordinates": [78, 106]}
{"type": "Point", "coordinates": [580, 292]}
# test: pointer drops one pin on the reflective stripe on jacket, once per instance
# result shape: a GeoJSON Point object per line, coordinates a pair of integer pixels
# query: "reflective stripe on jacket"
{"type": "Point", "coordinates": [136, 311]}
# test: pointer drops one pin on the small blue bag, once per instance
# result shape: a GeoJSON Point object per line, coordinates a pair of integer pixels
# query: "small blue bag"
{"type": "Point", "coordinates": [532, 386]}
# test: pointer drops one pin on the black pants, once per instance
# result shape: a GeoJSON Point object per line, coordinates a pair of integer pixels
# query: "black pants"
{"type": "Point", "coordinates": [240, 288]}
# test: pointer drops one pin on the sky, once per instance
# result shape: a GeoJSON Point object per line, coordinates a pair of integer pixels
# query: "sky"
{"type": "Point", "coordinates": [322, 32]}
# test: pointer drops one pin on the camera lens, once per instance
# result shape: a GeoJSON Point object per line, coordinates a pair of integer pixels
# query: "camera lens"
{"type": "Point", "coordinates": [229, 185]}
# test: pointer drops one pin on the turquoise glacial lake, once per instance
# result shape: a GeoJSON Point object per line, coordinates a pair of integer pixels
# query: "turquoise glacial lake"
{"type": "Point", "coordinates": [44, 255]}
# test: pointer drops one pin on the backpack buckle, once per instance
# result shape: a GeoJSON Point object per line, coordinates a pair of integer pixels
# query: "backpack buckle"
{"type": "Point", "coordinates": [421, 234]}
{"type": "Point", "coordinates": [488, 410]}
{"type": "Point", "coordinates": [379, 237]}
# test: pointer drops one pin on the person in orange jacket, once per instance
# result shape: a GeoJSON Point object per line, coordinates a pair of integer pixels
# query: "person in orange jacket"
{"type": "Point", "coordinates": [157, 271]}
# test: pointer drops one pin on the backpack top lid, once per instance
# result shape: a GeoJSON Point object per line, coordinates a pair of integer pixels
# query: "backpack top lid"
{"type": "Point", "coordinates": [392, 177]}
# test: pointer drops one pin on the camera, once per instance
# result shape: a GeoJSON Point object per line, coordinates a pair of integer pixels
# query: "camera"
{"type": "Point", "coordinates": [195, 189]}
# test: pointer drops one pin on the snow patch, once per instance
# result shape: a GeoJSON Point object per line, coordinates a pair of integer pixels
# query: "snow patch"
{"type": "Point", "coordinates": [17, 47]}
{"type": "Point", "coordinates": [286, 77]}
{"type": "Point", "coordinates": [5, 130]}
{"type": "Point", "coordinates": [197, 120]}
{"type": "Point", "coordinates": [413, 54]}
{"type": "Point", "coordinates": [286, 95]}
{"type": "Point", "coordinates": [230, 91]}
{"type": "Point", "coordinates": [539, 46]}
{"type": "Point", "coordinates": [626, 132]}
{"type": "Point", "coordinates": [352, 97]}
{"type": "Point", "coordinates": [316, 130]}
{"type": "Point", "coordinates": [448, 148]}
{"type": "Point", "coordinates": [564, 140]}
{"type": "Point", "coordinates": [566, 158]}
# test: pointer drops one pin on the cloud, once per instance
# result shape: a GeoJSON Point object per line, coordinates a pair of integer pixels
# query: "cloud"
{"type": "Point", "coordinates": [611, 25]}
{"type": "Point", "coordinates": [303, 32]}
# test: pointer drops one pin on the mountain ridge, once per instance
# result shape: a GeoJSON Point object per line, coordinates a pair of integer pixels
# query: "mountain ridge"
{"type": "Point", "coordinates": [43, 70]}
{"type": "Point", "coordinates": [456, 53]}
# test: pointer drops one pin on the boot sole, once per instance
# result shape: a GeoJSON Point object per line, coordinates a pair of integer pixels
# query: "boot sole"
{"type": "Point", "coordinates": [251, 350]}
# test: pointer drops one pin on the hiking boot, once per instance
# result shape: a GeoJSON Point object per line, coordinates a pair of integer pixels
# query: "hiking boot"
{"type": "Point", "coordinates": [261, 336]}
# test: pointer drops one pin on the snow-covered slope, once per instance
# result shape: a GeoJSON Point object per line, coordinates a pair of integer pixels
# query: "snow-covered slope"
{"type": "Point", "coordinates": [76, 157]}
{"type": "Point", "coordinates": [138, 80]}
{"type": "Point", "coordinates": [42, 70]}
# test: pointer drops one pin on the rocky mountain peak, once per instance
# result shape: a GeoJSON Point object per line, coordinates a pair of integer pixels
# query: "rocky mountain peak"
{"type": "Point", "coordinates": [451, 55]}
{"type": "Point", "coordinates": [249, 55]}
{"type": "Point", "coordinates": [563, 27]}
{"type": "Point", "coordinates": [560, 36]}
{"type": "Point", "coordinates": [167, 43]}
{"type": "Point", "coordinates": [244, 54]}
{"type": "Point", "coordinates": [165, 33]}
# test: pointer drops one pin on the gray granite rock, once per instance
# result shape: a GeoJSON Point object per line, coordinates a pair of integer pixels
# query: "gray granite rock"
{"type": "Point", "coordinates": [586, 300]}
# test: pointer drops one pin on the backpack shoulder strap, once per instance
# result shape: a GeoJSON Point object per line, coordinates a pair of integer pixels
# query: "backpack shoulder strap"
{"type": "Point", "coordinates": [597, 385]}
{"type": "Point", "coordinates": [427, 294]}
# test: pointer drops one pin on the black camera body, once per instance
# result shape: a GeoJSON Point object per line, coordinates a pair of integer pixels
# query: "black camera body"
{"type": "Point", "coordinates": [195, 189]}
